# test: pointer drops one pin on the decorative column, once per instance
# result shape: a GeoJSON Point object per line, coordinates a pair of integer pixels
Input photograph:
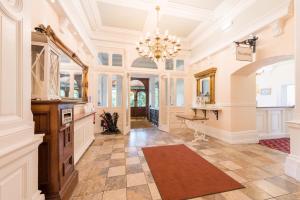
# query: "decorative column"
{"type": "Point", "coordinates": [292, 164]}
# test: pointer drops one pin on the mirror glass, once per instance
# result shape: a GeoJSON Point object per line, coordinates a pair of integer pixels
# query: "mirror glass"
{"type": "Point", "coordinates": [204, 89]}
{"type": "Point", "coordinates": [70, 78]}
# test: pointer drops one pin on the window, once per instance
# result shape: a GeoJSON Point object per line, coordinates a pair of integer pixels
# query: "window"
{"type": "Point", "coordinates": [131, 99]}
{"type": "Point", "coordinates": [156, 94]}
{"type": "Point", "coordinates": [102, 90]}
{"type": "Point", "coordinates": [172, 92]}
{"type": "Point", "coordinates": [180, 65]}
{"type": "Point", "coordinates": [103, 58]}
{"type": "Point", "coordinates": [141, 99]}
{"type": "Point", "coordinates": [117, 60]}
{"type": "Point", "coordinates": [64, 84]}
{"type": "Point", "coordinates": [116, 91]}
{"type": "Point", "coordinates": [77, 86]}
{"type": "Point", "coordinates": [169, 64]}
{"type": "Point", "coordinates": [180, 92]}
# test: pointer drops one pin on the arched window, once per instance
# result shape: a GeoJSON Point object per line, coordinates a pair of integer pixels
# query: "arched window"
{"type": "Point", "coordinates": [141, 99]}
{"type": "Point", "coordinates": [144, 63]}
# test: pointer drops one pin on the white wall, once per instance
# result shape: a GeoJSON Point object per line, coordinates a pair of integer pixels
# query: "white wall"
{"type": "Point", "coordinates": [275, 77]}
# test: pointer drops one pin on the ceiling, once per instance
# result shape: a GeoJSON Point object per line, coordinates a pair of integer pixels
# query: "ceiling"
{"type": "Point", "coordinates": [179, 17]}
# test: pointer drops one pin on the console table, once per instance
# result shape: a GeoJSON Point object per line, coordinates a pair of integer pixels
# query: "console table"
{"type": "Point", "coordinates": [207, 108]}
{"type": "Point", "coordinates": [192, 122]}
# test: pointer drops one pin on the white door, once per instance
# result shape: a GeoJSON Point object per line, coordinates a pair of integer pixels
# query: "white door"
{"type": "Point", "coordinates": [18, 144]}
{"type": "Point", "coordinates": [126, 104]}
{"type": "Point", "coordinates": [164, 94]}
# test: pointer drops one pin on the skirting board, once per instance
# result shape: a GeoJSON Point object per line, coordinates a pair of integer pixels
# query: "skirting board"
{"type": "Point", "coordinates": [292, 167]}
{"type": "Point", "coordinates": [241, 137]}
{"type": "Point", "coordinates": [268, 136]}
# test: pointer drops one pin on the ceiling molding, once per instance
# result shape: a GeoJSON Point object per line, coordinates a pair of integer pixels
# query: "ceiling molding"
{"type": "Point", "coordinates": [91, 11]}
{"type": "Point", "coordinates": [278, 12]}
{"type": "Point", "coordinates": [68, 10]}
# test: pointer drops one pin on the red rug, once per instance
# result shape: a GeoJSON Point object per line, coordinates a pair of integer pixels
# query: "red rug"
{"type": "Point", "coordinates": [180, 173]}
{"type": "Point", "coordinates": [281, 144]}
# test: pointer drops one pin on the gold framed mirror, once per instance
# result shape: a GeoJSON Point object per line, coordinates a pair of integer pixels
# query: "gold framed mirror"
{"type": "Point", "coordinates": [206, 85]}
{"type": "Point", "coordinates": [73, 73]}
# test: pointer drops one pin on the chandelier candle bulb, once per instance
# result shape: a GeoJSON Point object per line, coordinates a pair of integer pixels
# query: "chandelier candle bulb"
{"type": "Point", "coordinates": [158, 46]}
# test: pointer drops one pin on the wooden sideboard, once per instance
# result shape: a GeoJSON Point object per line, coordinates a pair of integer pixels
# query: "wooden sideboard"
{"type": "Point", "coordinates": [55, 119]}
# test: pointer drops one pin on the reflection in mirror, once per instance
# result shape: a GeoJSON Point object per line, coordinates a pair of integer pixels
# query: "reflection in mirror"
{"type": "Point", "coordinates": [206, 86]}
{"type": "Point", "coordinates": [70, 78]}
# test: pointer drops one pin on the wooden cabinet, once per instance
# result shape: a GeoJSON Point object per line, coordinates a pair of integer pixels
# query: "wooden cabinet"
{"type": "Point", "coordinates": [57, 175]}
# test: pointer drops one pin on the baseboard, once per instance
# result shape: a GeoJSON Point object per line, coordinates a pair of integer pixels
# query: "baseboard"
{"type": "Point", "coordinates": [240, 137]}
{"type": "Point", "coordinates": [38, 196]}
{"type": "Point", "coordinates": [268, 136]}
{"type": "Point", "coordinates": [292, 166]}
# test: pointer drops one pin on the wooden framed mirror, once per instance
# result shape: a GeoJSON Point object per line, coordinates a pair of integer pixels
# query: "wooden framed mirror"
{"type": "Point", "coordinates": [206, 85]}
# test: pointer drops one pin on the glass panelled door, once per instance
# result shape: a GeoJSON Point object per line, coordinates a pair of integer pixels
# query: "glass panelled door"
{"type": "Point", "coordinates": [126, 105]}
{"type": "Point", "coordinates": [164, 103]}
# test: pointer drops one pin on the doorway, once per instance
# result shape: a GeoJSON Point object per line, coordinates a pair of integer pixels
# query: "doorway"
{"type": "Point", "coordinates": [143, 100]}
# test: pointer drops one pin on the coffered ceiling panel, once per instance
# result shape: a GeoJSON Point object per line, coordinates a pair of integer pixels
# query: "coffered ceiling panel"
{"type": "Point", "coordinates": [178, 26]}
{"type": "Point", "coordinates": [204, 4]}
{"type": "Point", "coordinates": [122, 17]}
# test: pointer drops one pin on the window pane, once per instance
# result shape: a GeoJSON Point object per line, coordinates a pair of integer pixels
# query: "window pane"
{"type": "Point", "coordinates": [102, 90]}
{"type": "Point", "coordinates": [172, 92]}
{"type": "Point", "coordinates": [131, 99]}
{"type": "Point", "coordinates": [64, 84]}
{"type": "Point", "coordinates": [156, 94]}
{"type": "Point", "coordinates": [179, 92]}
{"type": "Point", "coordinates": [141, 99]}
{"type": "Point", "coordinates": [117, 60]}
{"type": "Point", "coordinates": [103, 58]}
{"type": "Point", "coordinates": [169, 64]}
{"type": "Point", "coordinates": [116, 92]}
{"type": "Point", "coordinates": [180, 65]}
{"type": "Point", "coordinates": [77, 86]}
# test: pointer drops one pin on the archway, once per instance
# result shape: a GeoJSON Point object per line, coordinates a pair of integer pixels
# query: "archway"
{"type": "Point", "coordinates": [267, 120]}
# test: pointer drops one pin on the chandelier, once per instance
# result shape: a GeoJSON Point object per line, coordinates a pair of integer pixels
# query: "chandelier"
{"type": "Point", "coordinates": [158, 46]}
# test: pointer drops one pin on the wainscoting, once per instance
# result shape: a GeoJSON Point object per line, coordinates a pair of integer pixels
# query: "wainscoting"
{"type": "Point", "coordinates": [270, 122]}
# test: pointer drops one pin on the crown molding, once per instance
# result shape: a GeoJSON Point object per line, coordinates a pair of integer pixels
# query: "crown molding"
{"type": "Point", "coordinates": [68, 10]}
{"type": "Point", "coordinates": [211, 28]}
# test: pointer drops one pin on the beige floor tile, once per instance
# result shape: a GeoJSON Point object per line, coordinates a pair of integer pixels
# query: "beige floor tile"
{"type": "Point", "coordinates": [93, 196]}
{"type": "Point", "coordinates": [116, 171]}
{"type": "Point", "coordinates": [235, 195]}
{"type": "Point", "coordinates": [130, 149]}
{"type": "Point", "coordinates": [115, 183]}
{"type": "Point", "coordinates": [115, 194]}
{"type": "Point", "coordinates": [136, 179]}
{"type": "Point", "coordinates": [236, 177]}
{"type": "Point", "coordinates": [132, 161]}
{"type": "Point", "coordinates": [115, 146]}
{"type": "Point", "coordinates": [117, 155]}
{"type": "Point", "coordinates": [230, 165]}
{"type": "Point", "coordinates": [208, 152]}
{"type": "Point", "coordinates": [154, 191]}
{"type": "Point", "coordinates": [140, 192]}
{"type": "Point", "coordinates": [145, 167]}
{"type": "Point", "coordinates": [270, 188]}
